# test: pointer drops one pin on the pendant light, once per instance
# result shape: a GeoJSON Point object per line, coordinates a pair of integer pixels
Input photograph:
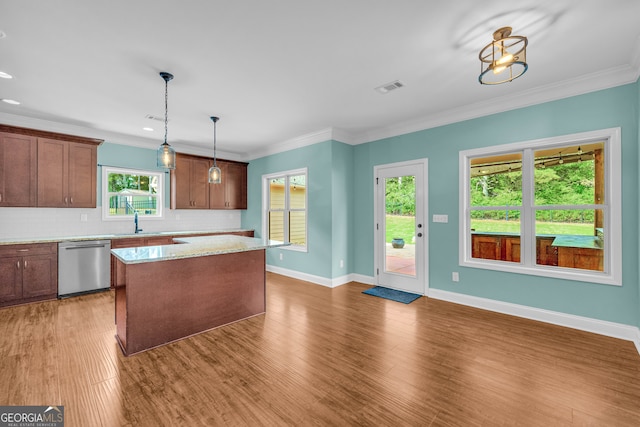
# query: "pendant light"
{"type": "Point", "coordinates": [215, 174]}
{"type": "Point", "coordinates": [166, 154]}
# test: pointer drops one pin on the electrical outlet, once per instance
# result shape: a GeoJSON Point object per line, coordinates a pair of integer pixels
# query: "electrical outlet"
{"type": "Point", "coordinates": [83, 217]}
{"type": "Point", "coordinates": [341, 263]}
{"type": "Point", "coordinates": [455, 276]}
{"type": "Point", "coordinates": [280, 256]}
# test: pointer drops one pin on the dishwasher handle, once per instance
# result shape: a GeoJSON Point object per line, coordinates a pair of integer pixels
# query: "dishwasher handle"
{"type": "Point", "coordinates": [103, 245]}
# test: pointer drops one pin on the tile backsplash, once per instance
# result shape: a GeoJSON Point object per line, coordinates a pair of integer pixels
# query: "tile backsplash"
{"type": "Point", "coordinates": [56, 222]}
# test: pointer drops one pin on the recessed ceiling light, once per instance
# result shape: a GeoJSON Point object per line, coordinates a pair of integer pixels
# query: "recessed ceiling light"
{"type": "Point", "coordinates": [148, 129]}
{"type": "Point", "coordinates": [11, 101]}
{"type": "Point", "coordinates": [5, 75]}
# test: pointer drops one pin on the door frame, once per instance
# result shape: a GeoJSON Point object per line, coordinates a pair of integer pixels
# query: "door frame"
{"type": "Point", "coordinates": [423, 263]}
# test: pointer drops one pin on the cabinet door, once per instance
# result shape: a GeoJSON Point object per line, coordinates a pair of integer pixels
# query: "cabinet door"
{"type": "Point", "coordinates": [512, 249]}
{"type": "Point", "coordinates": [180, 183]}
{"type": "Point", "coordinates": [53, 175]}
{"type": "Point", "coordinates": [217, 192]}
{"type": "Point", "coordinates": [587, 259]}
{"type": "Point", "coordinates": [10, 278]}
{"type": "Point", "coordinates": [18, 167]}
{"type": "Point", "coordinates": [39, 276]}
{"type": "Point", "coordinates": [236, 186]}
{"type": "Point", "coordinates": [545, 253]}
{"type": "Point", "coordinates": [485, 247]}
{"type": "Point", "coordinates": [232, 192]}
{"type": "Point", "coordinates": [82, 175]}
{"type": "Point", "coordinates": [199, 183]}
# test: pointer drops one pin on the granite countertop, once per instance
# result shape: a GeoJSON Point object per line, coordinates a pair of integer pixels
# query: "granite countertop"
{"type": "Point", "coordinates": [586, 242]}
{"type": "Point", "coordinates": [190, 247]}
{"type": "Point", "coordinates": [52, 239]}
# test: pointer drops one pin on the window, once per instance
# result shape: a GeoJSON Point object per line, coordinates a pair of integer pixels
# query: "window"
{"type": "Point", "coordinates": [125, 192]}
{"type": "Point", "coordinates": [285, 213]}
{"type": "Point", "coordinates": [549, 207]}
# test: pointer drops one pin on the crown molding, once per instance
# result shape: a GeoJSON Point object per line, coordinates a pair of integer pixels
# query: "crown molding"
{"type": "Point", "coordinates": [305, 140]}
{"type": "Point", "coordinates": [108, 136]}
{"type": "Point", "coordinates": [588, 83]}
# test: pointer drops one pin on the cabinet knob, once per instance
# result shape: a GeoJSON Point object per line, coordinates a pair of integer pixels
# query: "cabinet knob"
{"type": "Point", "coordinates": [65, 200]}
{"type": "Point", "coordinates": [419, 234]}
{"type": "Point", "coordinates": [18, 265]}
{"type": "Point", "coordinates": [71, 199]}
{"type": "Point", "coordinates": [25, 263]}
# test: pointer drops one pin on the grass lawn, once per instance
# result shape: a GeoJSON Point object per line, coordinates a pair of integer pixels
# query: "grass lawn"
{"type": "Point", "coordinates": [404, 226]}
{"type": "Point", "coordinates": [400, 226]}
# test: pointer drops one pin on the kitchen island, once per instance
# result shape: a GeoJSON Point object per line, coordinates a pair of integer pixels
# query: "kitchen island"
{"type": "Point", "coordinates": [169, 292]}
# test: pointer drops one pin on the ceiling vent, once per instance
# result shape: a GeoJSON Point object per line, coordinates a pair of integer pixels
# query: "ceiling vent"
{"type": "Point", "coordinates": [152, 117]}
{"type": "Point", "coordinates": [386, 88]}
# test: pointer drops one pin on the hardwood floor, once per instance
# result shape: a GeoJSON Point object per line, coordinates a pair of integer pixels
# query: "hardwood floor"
{"type": "Point", "coordinates": [323, 357]}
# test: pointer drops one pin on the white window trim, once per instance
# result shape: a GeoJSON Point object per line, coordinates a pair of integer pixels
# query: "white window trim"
{"type": "Point", "coordinates": [265, 205]}
{"type": "Point", "coordinates": [105, 193]}
{"type": "Point", "coordinates": [613, 221]}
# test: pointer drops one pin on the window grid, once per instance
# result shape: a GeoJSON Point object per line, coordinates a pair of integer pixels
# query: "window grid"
{"type": "Point", "coordinates": [529, 210]}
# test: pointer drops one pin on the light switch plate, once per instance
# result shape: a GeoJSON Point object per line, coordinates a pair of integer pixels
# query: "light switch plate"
{"type": "Point", "coordinates": [440, 218]}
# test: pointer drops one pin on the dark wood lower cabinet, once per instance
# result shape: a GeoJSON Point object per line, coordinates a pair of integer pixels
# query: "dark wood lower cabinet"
{"type": "Point", "coordinates": [584, 258]}
{"type": "Point", "coordinates": [136, 242]}
{"type": "Point", "coordinates": [507, 248]}
{"type": "Point", "coordinates": [28, 273]}
{"type": "Point", "coordinates": [164, 301]}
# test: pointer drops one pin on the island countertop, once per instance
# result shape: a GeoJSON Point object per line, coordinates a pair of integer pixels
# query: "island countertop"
{"type": "Point", "coordinates": [190, 247]}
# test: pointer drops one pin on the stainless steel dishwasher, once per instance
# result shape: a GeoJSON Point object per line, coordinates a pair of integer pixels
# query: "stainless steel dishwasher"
{"type": "Point", "coordinates": [83, 266]}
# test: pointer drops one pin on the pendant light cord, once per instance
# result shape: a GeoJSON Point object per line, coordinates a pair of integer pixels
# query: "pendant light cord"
{"type": "Point", "coordinates": [214, 144]}
{"type": "Point", "coordinates": [166, 108]}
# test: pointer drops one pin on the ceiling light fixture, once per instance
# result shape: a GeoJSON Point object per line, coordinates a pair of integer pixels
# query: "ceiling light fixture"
{"type": "Point", "coordinates": [11, 101]}
{"type": "Point", "coordinates": [5, 75]}
{"type": "Point", "coordinates": [504, 59]}
{"type": "Point", "coordinates": [166, 154]}
{"type": "Point", "coordinates": [215, 174]}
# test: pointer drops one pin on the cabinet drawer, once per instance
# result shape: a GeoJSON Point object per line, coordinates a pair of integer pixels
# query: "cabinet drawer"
{"type": "Point", "coordinates": [29, 249]}
{"type": "Point", "coordinates": [132, 242]}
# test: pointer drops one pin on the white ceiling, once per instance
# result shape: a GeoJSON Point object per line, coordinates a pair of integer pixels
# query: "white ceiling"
{"type": "Point", "coordinates": [282, 73]}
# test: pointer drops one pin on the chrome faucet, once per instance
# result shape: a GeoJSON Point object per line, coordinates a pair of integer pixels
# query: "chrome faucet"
{"type": "Point", "coordinates": [135, 221]}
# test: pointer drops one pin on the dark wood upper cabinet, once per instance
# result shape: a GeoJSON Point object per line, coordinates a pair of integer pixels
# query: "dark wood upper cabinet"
{"type": "Point", "coordinates": [189, 183]}
{"type": "Point", "coordinates": [190, 179]}
{"type": "Point", "coordinates": [232, 192]}
{"type": "Point", "coordinates": [66, 174]}
{"type": "Point", "coordinates": [47, 169]}
{"type": "Point", "coordinates": [18, 170]}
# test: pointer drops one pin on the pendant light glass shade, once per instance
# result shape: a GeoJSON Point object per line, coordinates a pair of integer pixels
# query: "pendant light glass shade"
{"type": "Point", "coordinates": [166, 154]}
{"type": "Point", "coordinates": [215, 174]}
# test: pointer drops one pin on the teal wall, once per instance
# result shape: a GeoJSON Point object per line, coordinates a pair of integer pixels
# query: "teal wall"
{"type": "Point", "coordinates": [124, 156]}
{"type": "Point", "coordinates": [322, 165]}
{"type": "Point", "coordinates": [598, 110]}
{"type": "Point", "coordinates": [637, 113]}
{"type": "Point", "coordinates": [341, 209]}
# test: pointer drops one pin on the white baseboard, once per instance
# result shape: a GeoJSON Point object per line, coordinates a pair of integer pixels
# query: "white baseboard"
{"type": "Point", "coordinates": [602, 327]}
{"type": "Point", "coordinates": [318, 280]}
